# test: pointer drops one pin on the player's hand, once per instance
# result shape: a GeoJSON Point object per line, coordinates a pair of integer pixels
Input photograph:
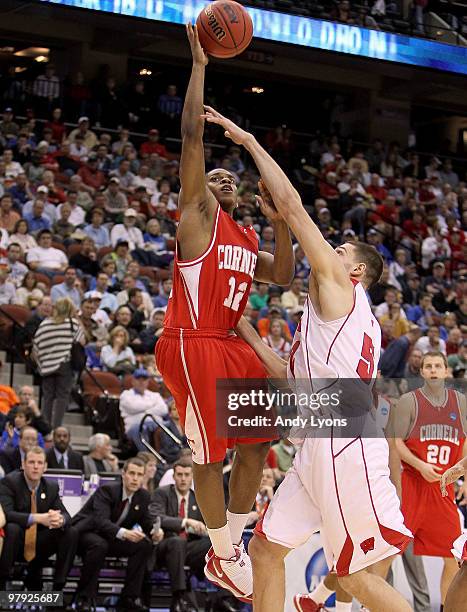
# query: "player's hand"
{"type": "Point", "coordinates": [450, 476]}
{"type": "Point", "coordinates": [231, 130]}
{"type": "Point", "coordinates": [430, 472]}
{"type": "Point", "coordinates": [199, 54]}
{"type": "Point", "coordinates": [266, 203]}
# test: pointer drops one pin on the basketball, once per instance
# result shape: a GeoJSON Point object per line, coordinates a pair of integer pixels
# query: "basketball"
{"type": "Point", "coordinates": [225, 29]}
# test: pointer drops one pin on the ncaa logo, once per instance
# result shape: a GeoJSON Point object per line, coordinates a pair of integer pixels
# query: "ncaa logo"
{"type": "Point", "coordinates": [453, 416]}
{"type": "Point", "coordinates": [315, 571]}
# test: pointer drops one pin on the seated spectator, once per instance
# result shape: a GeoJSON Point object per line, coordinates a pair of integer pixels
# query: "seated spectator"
{"type": "Point", "coordinates": [86, 259]}
{"type": "Point", "coordinates": [95, 332]}
{"type": "Point", "coordinates": [141, 301]}
{"type": "Point", "coordinates": [121, 257]}
{"type": "Point", "coordinates": [45, 258]}
{"type": "Point", "coordinates": [61, 456]}
{"type": "Point", "coordinates": [422, 314]}
{"type": "Point", "coordinates": [138, 401]}
{"type": "Point", "coordinates": [88, 136]}
{"type": "Point", "coordinates": [163, 443]}
{"type": "Point", "coordinates": [77, 212]}
{"type": "Point", "coordinates": [52, 344]}
{"type": "Point", "coordinates": [263, 497]}
{"type": "Point", "coordinates": [152, 145]}
{"type": "Point", "coordinates": [291, 298]}
{"type": "Point", "coordinates": [259, 296]}
{"type": "Point", "coordinates": [412, 370]}
{"type": "Point", "coordinates": [17, 270]}
{"type": "Point", "coordinates": [42, 195]}
{"type": "Point", "coordinates": [90, 173]}
{"type": "Point", "coordinates": [162, 298]}
{"type": "Point", "coordinates": [127, 231]}
{"type": "Point", "coordinates": [150, 463]}
{"type": "Point", "coordinates": [264, 324]}
{"type": "Point", "coordinates": [12, 459]}
{"type": "Point", "coordinates": [431, 342]}
{"type": "Point", "coordinates": [435, 247]}
{"type": "Point", "coordinates": [276, 339]}
{"type": "Point", "coordinates": [285, 453]}
{"type": "Point", "coordinates": [391, 296]}
{"type": "Point", "coordinates": [37, 221]}
{"type": "Point", "coordinates": [117, 356]}
{"type": "Point", "coordinates": [185, 535]}
{"type": "Point", "coordinates": [394, 358]}
{"type": "Point", "coordinates": [32, 535]}
{"type": "Point", "coordinates": [22, 236]}
{"type": "Point", "coordinates": [397, 269]}
{"type": "Point", "coordinates": [21, 418]}
{"type": "Point", "coordinates": [108, 301]}
{"type": "Point", "coordinates": [400, 325]}
{"type": "Point", "coordinates": [96, 230]}
{"type": "Point", "coordinates": [7, 288]}
{"type": "Point", "coordinates": [63, 228]}
{"type": "Point", "coordinates": [8, 217]}
{"type": "Point", "coordinates": [106, 525]}
{"type": "Point", "coordinates": [67, 289]}
{"type": "Point", "coordinates": [27, 401]}
{"type": "Point", "coordinates": [116, 201]}
{"type": "Point", "coordinates": [100, 457]}
{"type": "Point", "coordinates": [150, 334]}
{"type": "Point", "coordinates": [459, 359]}
{"type": "Point", "coordinates": [30, 294]}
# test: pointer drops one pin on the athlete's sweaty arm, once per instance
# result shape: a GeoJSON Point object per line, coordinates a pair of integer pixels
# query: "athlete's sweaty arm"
{"type": "Point", "coordinates": [197, 204]}
{"type": "Point", "coordinates": [402, 418]}
{"type": "Point", "coordinates": [275, 365]}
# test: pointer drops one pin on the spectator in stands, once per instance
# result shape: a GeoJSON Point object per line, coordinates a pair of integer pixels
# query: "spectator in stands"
{"type": "Point", "coordinates": [27, 400]}
{"type": "Point", "coordinates": [20, 191]}
{"type": "Point", "coordinates": [90, 173]}
{"type": "Point", "coordinates": [77, 212]}
{"type": "Point", "coordinates": [153, 146]}
{"type": "Point", "coordinates": [394, 359]}
{"type": "Point", "coordinates": [291, 298]}
{"type": "Point", "coordinates": [37, 220]}
{"type": "Point", "coordinates": [412, 370]}
{"type": "Point", "coordinates": [44, 309]}
{"type": "Point", "coordinates": [435, 247]}
{"type": "Point", "coordinates": [63, 228]}
{"type": "Point", "coordinates": [38, 524]}
{"type": "Point", "coordinates": [431, 342]}
{"type": "Point", "coordinates": [264, 496]}
{"type": "Point", "coordinates": [185, 535]}
{"type": "Point", "coordinates": [461, 312]}
{"type": "Point", "coordinates": [391, 296]}
{"type": "Point", "coordinates": [106, 524]}
{"type": "Point", "coordinates": [7, 288]}
{"type": "Point", "coordinates": [96, 230]}
{"type": "Point", "coordinates": [8, 397]}
{"type": "Point", "coordinates": [89, 138]}
{"type": "Point", "coordinates": [422, 314]}
{"type": "Point", "coordinates": [276, 339]}
{"type": "Point", "coordinates": [163, 443]}
{"type": "Point", "coordinates": [8, 217]}
{"type": "Point", "coordinates": [86, 259]}
{"type": "Point", "coordinates": [150, 334]}
{"type": "Point", "coordinates": [162, 298]}
{"type": "Point", "coordinates": [128, 231]}
{"type": "Point", "coordinates": [22, 236]}
{"type": "Point", "coordinates": [376, 238]}
{"type": "Point", "coordinates": [116, 201]}
{"type": "Point", "coordinates": [400, 325]}
{"type": "Point", "coordinates": [100, 457]}
{"type": "Point", "coordinates": [8, 127]}
{"type": "Point", "coordinates": [52, 348]}
{"type": "Point", "coordinates": [285, 452]}
{"type": "Point", "coordinates": [13, 459]}
{"type": "Point", "coordinates": [138, 401]}
{"type": "Point", "coordinates": [150, 463]}
{"type": "Point", "coordinates": [46, 91]}
{"type": "Point", "coordinates": [61, 456]}
{"type": "Point", "coordinates": [67, 289]}
{"type": "Point", "coordinates": [45, 258]}
{"type": "Point", "coordinates": [459, 359]}
{"type": "Point", "coordinates": [21, 418]}
{"type": "Point", "coordinates": [170, 105]}
{"type": "Point", "coordinates": [117, 356]}
{"type": "Point", "coordinates": [108, 301]}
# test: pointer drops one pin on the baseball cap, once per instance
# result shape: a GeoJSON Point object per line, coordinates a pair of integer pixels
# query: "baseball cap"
{"type": "Point", "coordinates": [153, 131]}
{"type": "Point", "coordinates": [43, 143]}
{"type": "Point", "coordinates": [439, 264]}
{"type": "Point", "coordinates": [372, 232]}
{"type": "Point", "coordinates": [93, 295]}
{"type": "Point", "coordinates": [275, 309]}
{"type": "Point", "coordinates": [296, 310]}
{"type": "Point", "coordinates": [8, 109]}
{"type": "Point", "coordinates": [81, 119]}
{"type": "Point", "coordinates": [141, 373]}
{"type": "Point", "coordinates": [114, 179]}
{"type": "Point", "coordinates": [42, 189]}
{"type": "Point", "coordinates": [349, 232]}
{"type": "Point", "coordinates": [131, 212]}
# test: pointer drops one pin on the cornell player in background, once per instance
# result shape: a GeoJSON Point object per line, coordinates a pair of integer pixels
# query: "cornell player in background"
{"type": "Point", "coordinates": [338, 486]}
{"type": "Point", "coordinates": [216, 261]}
{"type": "Point", "coordinates": [457, 592]}
{"type": "Point", "coordinates": [429, 426]}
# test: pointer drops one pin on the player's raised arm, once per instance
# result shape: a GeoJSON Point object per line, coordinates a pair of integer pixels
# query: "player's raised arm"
{"type": "Point", "coordinates": [192, 169]}
{"type": "Point", "coordinates": [275, 365]}
{"type": "Point", "coordinates": [323, 259]}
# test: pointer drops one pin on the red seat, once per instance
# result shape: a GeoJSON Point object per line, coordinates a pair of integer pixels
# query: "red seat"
{"type": "Point", "coordinates": [106, 380]}
{"type": "Point", "coordinates": [12, 317]}
{"type": "Point", "coordinates": [147, 271]}
{"type": "Point", "coordinates": [103, 251]}
{"type": "Point", "coordinates": [59, 245]}
{"type": "Point", "coordinates": [73, 249]}
{"type": "Point", "coordinates": [43, 278]}
{"type": "Point", "coordinates": [57, 279]}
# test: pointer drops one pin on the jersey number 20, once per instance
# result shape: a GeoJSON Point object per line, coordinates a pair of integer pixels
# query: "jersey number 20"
{"type": "Point", "coordinates": [235, 297]}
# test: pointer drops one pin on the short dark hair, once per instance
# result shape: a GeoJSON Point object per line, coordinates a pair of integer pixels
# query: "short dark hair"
{"type": "Point", "coordinates": [183, 462]}
{"type": "Point", "coordinates": [434, 354]}
{"type": "Point", "coordinates": [133, 461]}
{"type": "Point", "coordinates": [14, 244]}
{"type": "Point", "coordinates": [367, 254]}
{"type": "Point", "coordinates": [6, 196]}
{"type": "Point", "coordinates": [134, 291]}
{"type": "Point", "coordinates": [44, 232]}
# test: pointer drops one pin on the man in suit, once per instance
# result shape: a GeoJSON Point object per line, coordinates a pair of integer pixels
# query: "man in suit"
{"type": "Point", "coordinates": [61, 456]}
{"type": "Point", "coordinates": [107, 527]}
{"type": "Point", "coordinates": [12, 459]}
{"type": "Point", "coordinates": [100, 458]}
{"type": "Point", "coordinates": [185, 541]}
{"type": "Point", "coordinates": [38, 524]}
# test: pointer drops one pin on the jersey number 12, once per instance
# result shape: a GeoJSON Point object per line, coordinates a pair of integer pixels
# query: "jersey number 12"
{"type": "Point", "coordinates": [235, 294]}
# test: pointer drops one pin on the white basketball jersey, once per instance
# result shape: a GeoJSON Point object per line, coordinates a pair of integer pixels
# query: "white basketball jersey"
{"type": "Point", "coordinates": [348, 347]}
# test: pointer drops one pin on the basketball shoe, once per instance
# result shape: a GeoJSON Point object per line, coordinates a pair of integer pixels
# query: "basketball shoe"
{"type": "Point", "coordinates": [304, 603]}
{"type": "Point", "coordinates": [233, 574]}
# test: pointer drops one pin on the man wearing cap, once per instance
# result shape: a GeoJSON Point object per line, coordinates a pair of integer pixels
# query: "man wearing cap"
{"type": "Point", "coordinates": [138, 401]}
{"type": "Point", "coordinates": [116, 200]}
{"type": "Point", "coordinates": [107, 300]}
{"type": "Point", "coordinates": [152, 145]}
{"type": "Point", "coordinates": [89, 138]}
{"type": "Point", "coordinates": [437, 281]}
{"type": "Point", "coordinates": [8, 127]}
{"type": "Point", "coordinates": [127, 231]}
{"type": "Point", "coordinates": [42, 194]}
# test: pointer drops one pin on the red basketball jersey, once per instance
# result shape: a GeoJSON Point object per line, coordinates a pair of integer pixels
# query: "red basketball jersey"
{"type": "Point", "coordinates": [211, 291]}
{"type": "Point", "coordinates": [438, 435]}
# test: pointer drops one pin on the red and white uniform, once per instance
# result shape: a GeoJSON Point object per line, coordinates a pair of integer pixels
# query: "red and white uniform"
{"type": "Point", "coordinates": [197, 346]}
{"type": "Point", "coordinates": [338, 486]}
{"type": "Point", "coordinates": [437, 437]}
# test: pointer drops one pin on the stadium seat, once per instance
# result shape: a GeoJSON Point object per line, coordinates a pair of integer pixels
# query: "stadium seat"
{"type": "Point", "coordinates": [73, 249]}
{"type": "Point", "coordinates": [57, 279]}
{"type": "Point", "coordinates": [128, 383]}
{"type": "Point", "coordinates": [43, 278]}
{"type": "Point", "coordinates": [103, 251]}
{"type": "Point", "coordinates": [11, 317]}
{"type": "Point", "coordinates": [59, 246]}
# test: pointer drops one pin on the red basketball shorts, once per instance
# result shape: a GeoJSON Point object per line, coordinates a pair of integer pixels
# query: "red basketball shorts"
{"type": "Point", "coordinates": [190, 362]}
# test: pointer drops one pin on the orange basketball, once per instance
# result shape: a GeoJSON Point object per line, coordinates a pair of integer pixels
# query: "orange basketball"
{"type": "Point", "coordinates": [225, 28]}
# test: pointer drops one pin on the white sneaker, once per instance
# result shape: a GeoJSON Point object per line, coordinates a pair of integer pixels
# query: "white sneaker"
{"type": "Point", "coordinates": [233, 574]}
